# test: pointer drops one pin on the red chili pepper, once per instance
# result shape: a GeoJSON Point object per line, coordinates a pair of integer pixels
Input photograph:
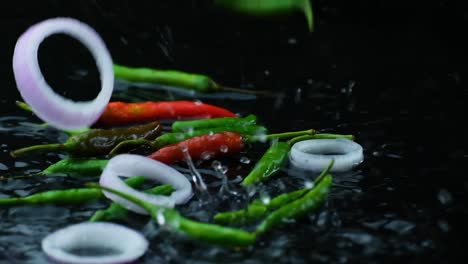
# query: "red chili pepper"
{"type": "Point", "coordinates": [120, 113]}
{"type": "Point", "coordinates": [201, 146]}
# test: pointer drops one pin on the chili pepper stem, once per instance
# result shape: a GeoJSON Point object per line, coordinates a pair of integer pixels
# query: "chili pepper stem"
{"type": "Point", "coordinates": [46, 147]}
{"type": "Point", "coordinates": [24, 106]}
{"type": "Point", "coordinates": [131, 142]}
{"type": "Point", "coordinates": [256, 138]}
{"type": "Point", "coordinates": [318, 136]}
{"type": "Point", "coordinates": [239, 90]}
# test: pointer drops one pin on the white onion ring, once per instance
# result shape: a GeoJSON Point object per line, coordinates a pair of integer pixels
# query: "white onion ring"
{"type": "Point", "coordinates": [52, 108]}
{"type": "Point", "coordinates": [129, 244]}
{"type": "Point", "coordinates": [312, 154]}
{"type": "Point", "coordinates": [129, 165]}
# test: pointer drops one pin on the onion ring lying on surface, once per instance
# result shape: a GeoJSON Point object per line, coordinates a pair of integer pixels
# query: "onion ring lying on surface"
{"type": "Point", "coordinates": [105, 243]}
{"type": "Point", "coordinates": [316, 154]}
{"type": "Point", "coordinates": [52, 108]}
{"type": "Point", "coordinates": [129, 165]}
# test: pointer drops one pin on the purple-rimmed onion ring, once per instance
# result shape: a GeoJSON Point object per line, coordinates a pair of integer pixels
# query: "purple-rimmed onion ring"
{"type": "Point", "coordinates": [52, 108]}
{"type": "Point", "coordinates": [114, 243]}
{"type": "Point", "coordinates": [316, 154]}
{"type": "Point", "coordinates": [129, 165]}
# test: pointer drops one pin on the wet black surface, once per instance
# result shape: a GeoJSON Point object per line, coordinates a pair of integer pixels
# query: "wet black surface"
{"type": "Point", "coordinates": [392, 73]}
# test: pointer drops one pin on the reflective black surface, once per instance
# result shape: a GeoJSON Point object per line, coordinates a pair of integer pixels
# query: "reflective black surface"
{"type": "Point", "coordinates": [390, 72]}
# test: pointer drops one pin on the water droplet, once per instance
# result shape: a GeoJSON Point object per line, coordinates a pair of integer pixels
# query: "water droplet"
{"type": "Point", "coordinates": [224, 148]}
{"type": "Point", "coordinates": [160, 218]}
{"type": "Point", "coordinates": [292, 41]}
{"type": "Point", "coordinates": [198, 102]}
{"type": "Point", "coordinates": [267, 72]}
{"type": "Point", "coordinates": [3, 166]}
{"type": "Point", "coordinates": [216, 164]}
{"type": "Point", "coordinates": [265, 199]}
{"type": "Point", "coordinates": [322, 219]}
{"type": "Point", "coordinates": [444, 197]}
{"type": "Point", "coordinates": [206, 155]}
{"type": "Point", "coordinates": [309, 184]}
{"type": "Point", "coordinates": [443, 225]}
{"type": "Point", "coordinates": [223, 169]}
{"type": "Point", "coordinates": [184, 148]}
{"type": "Point", "coordinates": [20, 164]}
{"type": "Point", "coordinates": [244, 160]}
{"type": "Point", "coordinates": [400, 226]}
{"type": "Point", "coordinates": [298, 96]}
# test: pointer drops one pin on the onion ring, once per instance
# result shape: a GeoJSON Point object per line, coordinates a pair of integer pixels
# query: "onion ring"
{"type": "Point", "coordinates": [312, 154]}
{"type": "Point", "coordinates": [123, 244]}
{"type": "Point", "coordinates": [52, 108]}
{"type": "Point", "coordinates": [129, 165]}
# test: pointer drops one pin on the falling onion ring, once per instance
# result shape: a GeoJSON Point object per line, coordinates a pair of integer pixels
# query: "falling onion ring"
{"type": "Point", "coordinates": [129, 165]}
{"type": "Point", "coordinates": [52, 108]}
{"type": "Point", "coordinates": [94, 243]}
{"type": "Point", "coordinates": [316, 154]}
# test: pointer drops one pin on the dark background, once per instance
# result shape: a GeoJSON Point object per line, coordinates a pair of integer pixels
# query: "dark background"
{"type": "Point", "coordinates": [406, 63]}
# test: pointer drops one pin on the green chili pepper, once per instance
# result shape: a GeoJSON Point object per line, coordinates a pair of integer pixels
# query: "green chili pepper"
{"type": "Point", "coordinates": [68, 196]}
{"type": "Point", "coordinates": [76, 167]}
{"type": "Point", "coordinates": [190, 125]}
{"type": "Point", "coordinates": [172, 138]}
{"type": "Point", "coordinates": [258, 209]}
{"type": "Point", "coordinates": [195, 82]}
{"type": "Point", "coordinates": [296, 209]}
{"type": "Point", "coordinates": [96, 141]}
{"type": "Point", "coordinates": [226, 236]}
{"type": "Point", "coordinates": [117, 212]}
{"type": "Point", "coordinates": [267, 8]}
{"type": "Point", "coordinates": [275, 157]}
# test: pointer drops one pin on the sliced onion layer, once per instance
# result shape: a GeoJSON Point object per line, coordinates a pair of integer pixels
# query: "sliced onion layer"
{"type": "Point", "coordinates": [129, 165]}
{"type": "Point", "coordinates": [94, 243]}
{"type": "Point", "coordinates": [316, 154]}
{"type": "Point", "coordinates": [52, 108]}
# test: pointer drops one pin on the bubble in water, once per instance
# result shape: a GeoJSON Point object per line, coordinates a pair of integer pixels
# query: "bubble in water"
{"type": "Point", "coordinates": [444, 197]}
{"type": "Point", "coordinates": [224, 148]}
{"type": "Point", "coordinates": [244, 160]}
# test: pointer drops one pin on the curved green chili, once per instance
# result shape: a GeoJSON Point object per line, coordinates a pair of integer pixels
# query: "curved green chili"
{"type": "Point", "coordinates": [212, 233]}
{"type": "Point", "coordinates": [190, 125]}
{"type": "Point", "coordinates": [296, 209]}
{"type": "Point", "coordinates": [258, 209]}
{"type": "Point", "coordinates": [191, 81]}
{"type": "Point", "coordinates": [65, 197]}
{"type": "Point", "coordinates": [96, 141]}
{"type": "Point", "coordinates": [116, 212]}
{"type": "Point", "coordinates": [275, 157]}
{"type": "Point", "coordinates": [266, 8]}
